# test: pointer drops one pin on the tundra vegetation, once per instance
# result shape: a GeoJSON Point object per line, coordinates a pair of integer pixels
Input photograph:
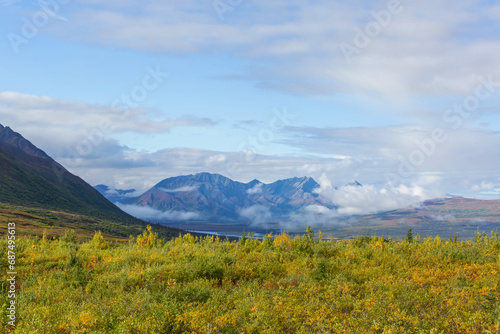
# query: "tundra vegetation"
{"type": "Point", "coordinates": [279, 284]}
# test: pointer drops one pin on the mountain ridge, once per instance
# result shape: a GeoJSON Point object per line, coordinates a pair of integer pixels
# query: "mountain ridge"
{"type": "Point", "coordinates": [216, 197]}
{"type": "Point", "coordinates": [30, 177]}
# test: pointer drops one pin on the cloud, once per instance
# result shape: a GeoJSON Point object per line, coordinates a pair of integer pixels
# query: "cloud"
{"type": "Point", "coordinates": [148, 213]}
{"type": "Point", "coordinates": [216, 159]}
{"type": "Point", "coordinates": [48, 112]}
{"type": "Point", "coordinates": [80, 134]}
{"type": "Point", "coordinates": [257, 189]}
{"type": "Point", "coordinates": [484, 186]}
{"type": "Point", "coordinates": [178, 190]}
{"type": "Point", "coordinates": [70, 132]}
{"type": "Point", "coordinates": [259, 215]}
{"type": "Point", "coordinates": [112, 191]}
{"type": "Point", "coordinates": [295, 46]}
{"type": "Point", "coordinates": [443, 218]}
{"type": "Point", "coordinates": [369, 199]}
{"type": "Point", "coordinates": [379, 153]}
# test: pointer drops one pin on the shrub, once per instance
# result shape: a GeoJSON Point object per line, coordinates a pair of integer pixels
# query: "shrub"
{"type": "Point", "coordinates": [147, 239]}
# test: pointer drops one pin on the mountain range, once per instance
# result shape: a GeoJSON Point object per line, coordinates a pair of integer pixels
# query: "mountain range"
{"type": "Point", "coordinates": [216, 197]}
{"type": "Point", "coordinates": [38, 191]}
{"type": "Point", "coordinates": [212, 202]}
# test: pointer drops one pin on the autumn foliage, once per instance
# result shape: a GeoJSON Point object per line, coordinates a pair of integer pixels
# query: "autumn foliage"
{"type": "Point", "coordinates": [280, 284]}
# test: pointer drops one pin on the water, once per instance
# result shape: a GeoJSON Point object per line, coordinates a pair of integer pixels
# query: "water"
{"type": "Point", "coordinates": [222, 234]}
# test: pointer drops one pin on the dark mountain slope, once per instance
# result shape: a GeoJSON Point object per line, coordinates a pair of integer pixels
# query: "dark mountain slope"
{"type": "Point", "coordinates": [28, 176]}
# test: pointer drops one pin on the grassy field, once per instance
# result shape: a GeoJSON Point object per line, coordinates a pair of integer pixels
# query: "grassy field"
{"type": "Point", "coordinates": [274, 285]}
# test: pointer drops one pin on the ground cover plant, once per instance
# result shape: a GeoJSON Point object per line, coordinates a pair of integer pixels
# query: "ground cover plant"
{"type": "Point", "coordinates": [278, 284]}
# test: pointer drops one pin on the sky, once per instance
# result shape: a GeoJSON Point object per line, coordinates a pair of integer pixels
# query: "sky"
{"type": "Point", "coordinates": [402, 96]}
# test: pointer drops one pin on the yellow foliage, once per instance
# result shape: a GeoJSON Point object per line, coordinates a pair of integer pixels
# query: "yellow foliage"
{"type": "Point", "coordinates": [282, 240]}
{"type": "Point", "coordinates": [147, 239]}
{"type": "Point", "coordinates": [99, 242]}
{"type": "Point", "coordinates": [281, 285]}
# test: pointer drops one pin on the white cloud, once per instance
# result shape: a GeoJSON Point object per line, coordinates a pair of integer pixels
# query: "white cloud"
{"type": "Point", "coordinates": [216, 159]}
{"type": "Point", "coordinates": [443, 218]}
{"type": "Point", "coordinates": [429, 47]}
{"type": "Point", "coordinates": [84, 129]}
{"type": "Point", "coordinates": [369, 199]}
{"type": "Point", "coordinates": [336, 154]}
{"type": "Point", "coordinates": [318, 209]}
{"type": "Point", "coordinates": [257, 189]}
{"type": "Point", "coordinates": [131, 194]}
{"type": "Point", "coordinates": [178, 190]}
{"type": "Point", "coordinates": [484, 186]}
{"type": "Point", "coordinates": [147, 213]}
{"type": "Point", "coordinates": [259, 215]}
{"type": "Point", "coordinates": [25, 109]}
{"type": "Point", "coordinates": [324, 184]}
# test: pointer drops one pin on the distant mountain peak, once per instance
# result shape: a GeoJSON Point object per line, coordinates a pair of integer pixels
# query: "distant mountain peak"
{"type": "Point", "coordinates": [112, 194]}
{"type": "Point", "coordinates": [354, 183]}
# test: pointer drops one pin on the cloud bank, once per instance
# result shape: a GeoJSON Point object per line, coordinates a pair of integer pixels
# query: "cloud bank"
{"type": "Point", "coordinates": [424, 47]}
{"type": "Point", "coordinates": [150, 214]}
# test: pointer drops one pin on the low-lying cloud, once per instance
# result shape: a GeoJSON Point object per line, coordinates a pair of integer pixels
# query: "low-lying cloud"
{"type": "Point", "coordinates": [443, 218]}
{"type": "Point", "coordinates": [257, 189]}
{"type": "Point", "coordinates": [148, 213]}
{"type": "Point", "coordinates": [368, 199]}
{"type": "Point", "coordinates": [257, 214]}
{"type": "Point", "coordinates": [179, 190]}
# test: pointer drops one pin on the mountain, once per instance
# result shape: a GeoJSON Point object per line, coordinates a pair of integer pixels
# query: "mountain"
{"type": "Point", "coordinates": [114, 195]}
{"type": "Point", "coordinates": [29, 177]}
{"type": "Point", "coordinates": [216, 197]}
{"type": "Point", "coordinates": [354, 184]}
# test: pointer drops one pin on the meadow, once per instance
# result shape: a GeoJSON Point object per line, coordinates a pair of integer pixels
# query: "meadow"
{"type": "Point", "coordinates": [278, 284]}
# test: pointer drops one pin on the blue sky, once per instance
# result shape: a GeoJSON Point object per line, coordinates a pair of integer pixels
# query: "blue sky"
{"type": "Point", "coordinates": [360, 105]}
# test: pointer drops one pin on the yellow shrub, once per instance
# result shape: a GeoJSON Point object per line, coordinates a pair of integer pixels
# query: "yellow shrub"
{"type": "Point", "coordinates": [147, 239]}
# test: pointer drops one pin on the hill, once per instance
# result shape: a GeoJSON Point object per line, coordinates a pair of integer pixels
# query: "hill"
{"type": "Point", "coordinates": [30, 180]}
{"type": "Point", "coordinates": [30, 177]}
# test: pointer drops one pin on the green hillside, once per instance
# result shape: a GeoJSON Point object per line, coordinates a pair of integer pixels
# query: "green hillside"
{"type": "Point", "coordinates": [41, 196]}
{"type": "Point", "coordinates": [21, 185]}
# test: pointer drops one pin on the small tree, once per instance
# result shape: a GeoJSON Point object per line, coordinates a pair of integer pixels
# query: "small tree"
{"type": "Point", "coordinates": [409, 236]}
